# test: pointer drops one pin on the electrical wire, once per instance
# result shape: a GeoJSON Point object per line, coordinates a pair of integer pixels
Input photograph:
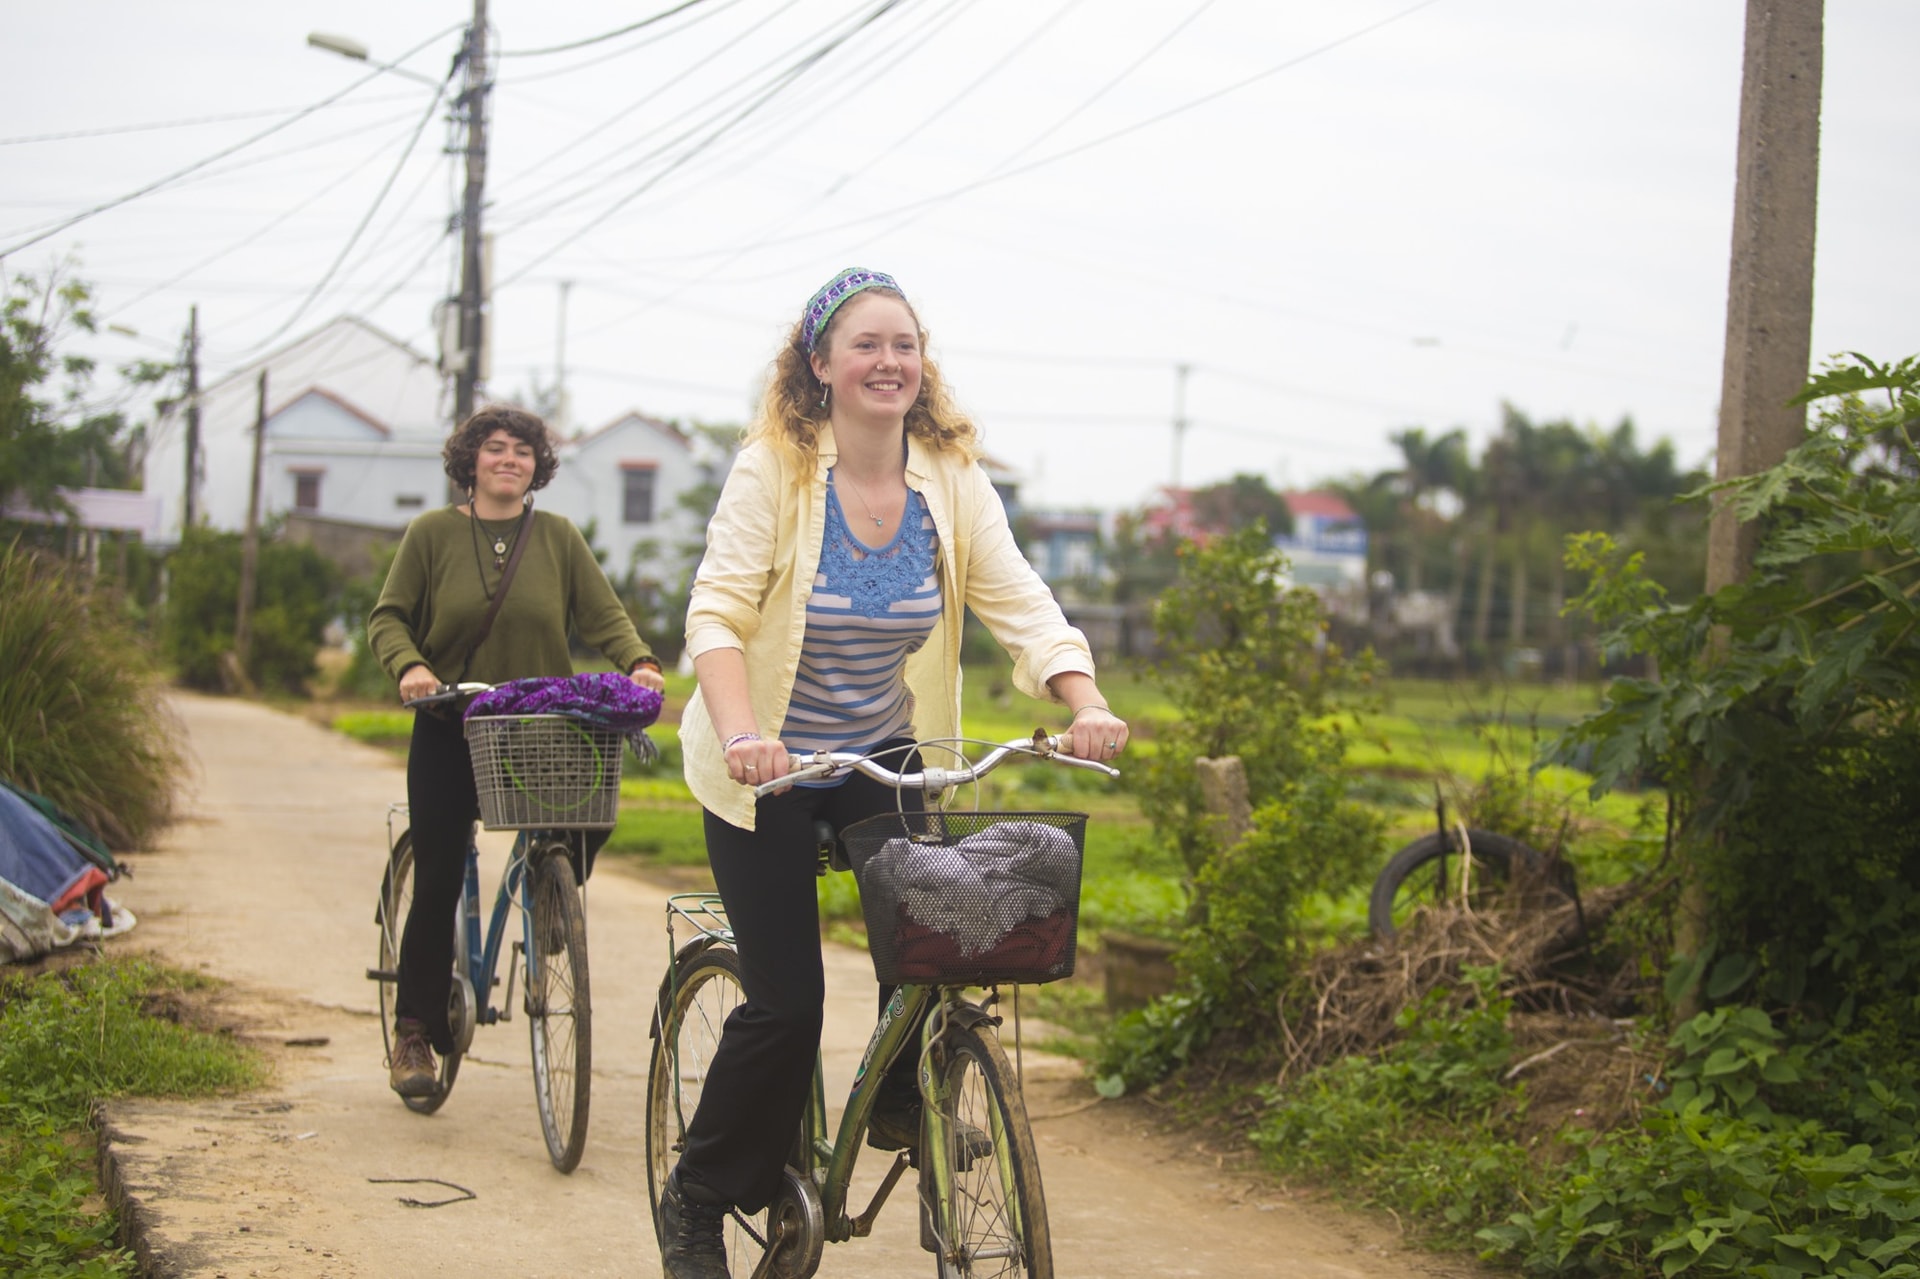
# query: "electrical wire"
{"type": "Point", "coordinates": [432, 108]}
{"type": "Point", "coordinates": [221, 154]}
{"type": "Point", "coordinates": [114, 130]}
{"type": "Point", "coordinates": [1115, 135]}
{"type": "Point", "coordinates": [662, 16]}
{"type": "Point", "coordinates": [685, 72]}
{"type": "Point", "coordinates": [781, 83]}
{"type": "Point", "coordinates": [574, 67]}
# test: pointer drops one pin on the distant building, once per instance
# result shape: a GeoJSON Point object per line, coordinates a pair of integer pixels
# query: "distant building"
{"type": "Point", "coordinates": [1328, 545]}
{"type": "Point", "coordinates": [1063, 546]}
{"type": "Point", "coordinates": [354, 429]}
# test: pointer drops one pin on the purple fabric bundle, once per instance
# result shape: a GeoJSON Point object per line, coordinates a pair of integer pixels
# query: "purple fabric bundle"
{"type": "Point", "coordinates": [603, 698]}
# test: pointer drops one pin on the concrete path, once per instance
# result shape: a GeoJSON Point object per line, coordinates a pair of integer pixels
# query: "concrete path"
{"type": "Point", "coordinates": [268, 883]}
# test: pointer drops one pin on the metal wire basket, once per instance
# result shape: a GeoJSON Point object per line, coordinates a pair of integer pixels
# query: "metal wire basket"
{"type": "Point", "coordinates": [969, 899]}
{"type": "Point", "coordinates": [546, 772]}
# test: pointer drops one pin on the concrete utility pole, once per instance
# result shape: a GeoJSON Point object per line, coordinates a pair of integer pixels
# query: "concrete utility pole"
{"type": "Point", "coordinates": [250, 539]}
{"type": "Point", "coordinates": [1769, 304]}
{"type": "Point", "coordinates": [1180, 374]}
{"type": "Point", "coordinates": [562, 411]}
{"type": "Point", "coordinates": [189, 509]}
{"type": "Point", "coordinates": [473, 101]}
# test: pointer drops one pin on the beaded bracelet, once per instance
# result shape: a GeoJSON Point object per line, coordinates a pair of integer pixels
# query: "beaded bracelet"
{"type": "Point", "coordinates": [737, 738]}
{"type": "Point", "coordinates": [645, 661]}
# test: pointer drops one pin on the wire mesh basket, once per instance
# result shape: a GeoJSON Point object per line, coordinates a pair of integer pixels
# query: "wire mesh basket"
{"type": "Point", "coordinates": [545, 772]}
{"type": "Point", "coordinates": [969, 899]}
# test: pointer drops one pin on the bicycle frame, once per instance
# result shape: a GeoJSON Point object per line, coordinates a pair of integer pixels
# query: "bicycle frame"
{"type": "Point", "coordinates": [913, 1015]}
{"type": "Point", "coordinates": [483, 948]}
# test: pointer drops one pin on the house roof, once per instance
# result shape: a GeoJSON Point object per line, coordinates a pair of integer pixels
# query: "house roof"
{"type": "Point", "coordinates": [1320, 504]}
{"type": "Point", "coordinates": [340, 402]}
{"type": "Point", "coordinates": [664, 427]}
{"type": "Point", "coordinates": [252, 369]}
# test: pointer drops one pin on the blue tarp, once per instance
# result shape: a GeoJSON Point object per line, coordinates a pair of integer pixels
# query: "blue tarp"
{"type": "Point", "coordinates": [52, 876]}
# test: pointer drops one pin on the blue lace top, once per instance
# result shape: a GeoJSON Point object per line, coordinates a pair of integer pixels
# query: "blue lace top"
{"type": "Point", "coordinates": [871, 607]}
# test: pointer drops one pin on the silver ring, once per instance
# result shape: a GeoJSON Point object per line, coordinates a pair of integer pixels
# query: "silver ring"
{"type": "Point", "coordinates": [1113, 746]}
{"type": "Point", "coordinates": [752, 769]}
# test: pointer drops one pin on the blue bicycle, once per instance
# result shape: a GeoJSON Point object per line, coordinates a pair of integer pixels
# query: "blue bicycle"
{"type": "Point", "coordinates": [552, 779]}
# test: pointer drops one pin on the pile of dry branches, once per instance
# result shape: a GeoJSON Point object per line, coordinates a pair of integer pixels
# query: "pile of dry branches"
{"type": "Point", "coordinates": [1355, 993]}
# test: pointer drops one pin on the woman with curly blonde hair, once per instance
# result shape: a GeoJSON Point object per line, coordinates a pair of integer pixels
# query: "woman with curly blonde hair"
{"type": "Point", "coordinates": [854, 531]}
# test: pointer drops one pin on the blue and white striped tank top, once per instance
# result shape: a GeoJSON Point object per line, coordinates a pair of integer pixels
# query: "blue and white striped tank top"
{"type": "Point", "coordinates": [871, 607]}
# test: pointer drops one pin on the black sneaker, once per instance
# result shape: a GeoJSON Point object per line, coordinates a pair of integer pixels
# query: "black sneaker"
{"type": "Point", "coordinates": [895, 1125]}
{"type": "Point", "coordinates": [691, 1242]}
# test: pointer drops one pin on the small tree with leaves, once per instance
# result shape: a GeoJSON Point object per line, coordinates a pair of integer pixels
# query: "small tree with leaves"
{"type": "Point", "coordinates": [1784, 719]}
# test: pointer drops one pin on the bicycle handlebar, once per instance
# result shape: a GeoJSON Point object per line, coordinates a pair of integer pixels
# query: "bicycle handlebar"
{"type": "Point", "coordinates": [446, 693]}
{"type": "Point", "coordinates": [832, 763]}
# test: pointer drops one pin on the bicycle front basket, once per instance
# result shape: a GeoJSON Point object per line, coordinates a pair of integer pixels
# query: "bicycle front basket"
{"type": "Point", "coordinates": [969, 899]}
{"type": "Point", "coordinates": [546, 772]}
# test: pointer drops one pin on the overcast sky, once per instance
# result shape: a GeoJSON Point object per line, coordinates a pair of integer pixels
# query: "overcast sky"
{"type": "Point", "coordinates": [1404, 214]}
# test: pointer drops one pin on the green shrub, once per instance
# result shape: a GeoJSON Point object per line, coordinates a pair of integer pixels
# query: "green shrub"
{"type": "Point", "coordinates": [1728, 1177]}
{"type": "Point", "coordinates": [295, 598]}
{"type": "Point", "coordinates": [1421, 1128]}
{"type": "Point", "coordinates": [82, 720]}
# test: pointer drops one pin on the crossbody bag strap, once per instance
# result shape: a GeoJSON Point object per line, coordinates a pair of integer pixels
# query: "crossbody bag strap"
{"type": "Point", "coordinates": [500, 596]}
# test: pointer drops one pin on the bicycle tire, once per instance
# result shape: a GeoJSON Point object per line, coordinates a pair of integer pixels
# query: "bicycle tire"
{"type": "Point", "coordinates": [390, 915]}
{"type": "Point", "coordinates": [559, 1005]}
{"type": "Point", "coordinates": [694, 1003]}
{"type": "Point", "coordinates": [995, 1203]}
{"type": "Point", "coordinates": [1398, 890]}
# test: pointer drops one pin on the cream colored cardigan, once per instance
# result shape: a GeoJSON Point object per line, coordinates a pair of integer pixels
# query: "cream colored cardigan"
{"type": "Point", "coordinates": [763, 553]}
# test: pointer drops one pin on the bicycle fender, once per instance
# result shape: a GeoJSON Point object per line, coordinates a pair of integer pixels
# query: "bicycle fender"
{"type": "Point", "coordinates": [664, 1000]}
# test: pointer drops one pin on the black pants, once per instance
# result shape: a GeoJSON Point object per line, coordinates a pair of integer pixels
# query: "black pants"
{"type": "Point", "coordinates": [443, 808]}
{"type": "Point", "coordinates": [758, 1082]}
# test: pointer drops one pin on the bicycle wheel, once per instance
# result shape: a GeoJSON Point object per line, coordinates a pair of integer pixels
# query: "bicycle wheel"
{"type": "Point", "coordinates": [694, 1004]}
{"type": "Point", "coordinates": [1427, 872]}
{"type": "Point", "coordinates": [559, 1006]}
{"type": "Point", "coordinates": [983, 1212]}
{"type": "Point", "coordinates": [390, 914]}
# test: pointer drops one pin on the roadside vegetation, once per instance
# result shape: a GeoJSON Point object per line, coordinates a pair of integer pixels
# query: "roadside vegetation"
{"type": "Point", "coordinates": [69, 1038]}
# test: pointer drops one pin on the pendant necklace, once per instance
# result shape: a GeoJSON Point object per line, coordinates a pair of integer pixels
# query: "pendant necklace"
{"type": "Point", "coordinates": [877, 521]}
{"type": "Point", "coordinates": [501, 543]}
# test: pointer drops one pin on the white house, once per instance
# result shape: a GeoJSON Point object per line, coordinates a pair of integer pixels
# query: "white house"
{"type": "Point", "coordinates": [355, 422]}
{"type": "Point", "coordinates": [626, 478]}
{"type": "Point", "coordinates": [354, 428]}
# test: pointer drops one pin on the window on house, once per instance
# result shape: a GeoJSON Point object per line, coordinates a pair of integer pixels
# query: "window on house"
{"type": "Point", "coordinates": [637, 507]}
{"type": "Point", "coordinates": [306, 491]}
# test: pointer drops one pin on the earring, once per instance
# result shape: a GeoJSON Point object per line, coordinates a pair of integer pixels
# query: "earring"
{"type": "Point", "coordinates": [826, 393]}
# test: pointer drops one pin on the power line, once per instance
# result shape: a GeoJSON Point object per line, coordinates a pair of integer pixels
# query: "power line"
{"type": "Point", "coordinates": [781, 83]}
{"type": "Point", "coordinates": [685, 72]}
{"type": "Point", "coordinates": [604, 36]}
{"type": "Point", "coordinates": [113, 130]}
{"type": "Point", "coordinates": [221, 154]}
{"type": "Point", "coordinates": [354, 239]}
{"type": "Point", "coordinates": [573, 67]}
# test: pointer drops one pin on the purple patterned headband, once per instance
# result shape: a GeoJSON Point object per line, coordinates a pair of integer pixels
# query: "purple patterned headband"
{"type": "Point", "coordinates": [822, 305]}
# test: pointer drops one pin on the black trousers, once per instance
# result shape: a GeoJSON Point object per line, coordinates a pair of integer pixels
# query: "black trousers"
{"type": "Point", "coordinates": [760, 1077]}
{"type": "Point", "coordinates": [443, 807]}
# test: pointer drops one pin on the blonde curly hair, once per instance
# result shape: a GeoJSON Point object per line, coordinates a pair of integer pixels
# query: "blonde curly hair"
{"type": "Point", "coordinates": [791, 415]}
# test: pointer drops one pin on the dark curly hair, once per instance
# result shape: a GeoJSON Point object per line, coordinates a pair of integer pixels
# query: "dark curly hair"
{"type": "Point", "coordinates": [463, 446]}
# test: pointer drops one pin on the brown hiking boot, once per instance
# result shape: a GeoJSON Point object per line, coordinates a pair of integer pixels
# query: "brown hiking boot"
{"type": "Point", "coordinates": [412, 1071]}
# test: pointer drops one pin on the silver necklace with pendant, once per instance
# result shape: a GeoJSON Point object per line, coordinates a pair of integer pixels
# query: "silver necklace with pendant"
{"type": "Point", "coordinates": [877, 521]}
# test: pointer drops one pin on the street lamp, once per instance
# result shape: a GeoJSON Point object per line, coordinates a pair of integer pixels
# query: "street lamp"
{"type": "Point", "coordinates": [348, 47]}
{"type": "Point", "coordinates": [470, 109]}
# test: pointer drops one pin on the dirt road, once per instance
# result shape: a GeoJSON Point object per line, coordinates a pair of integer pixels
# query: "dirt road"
{"type": "Point", "coordinates": [268, 883]}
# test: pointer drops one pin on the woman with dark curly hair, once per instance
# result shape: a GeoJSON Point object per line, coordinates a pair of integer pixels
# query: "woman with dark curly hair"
{"type": "Point", "coordinates": [854, 531]}
{"type": "Point", "coordinates": [444, 578]}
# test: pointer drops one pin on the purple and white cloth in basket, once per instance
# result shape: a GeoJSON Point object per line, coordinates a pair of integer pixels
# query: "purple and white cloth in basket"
{"type": "Point", "coordinates": [605, 699]}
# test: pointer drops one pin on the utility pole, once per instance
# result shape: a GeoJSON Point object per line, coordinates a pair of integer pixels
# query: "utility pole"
{"type": "Point", "coordinates": [1769, 308]}
{"type": "Point", "coordinates": [473, 102]}
{"type": "Point", "coordinates": [189, 511]}
{"type": "Point", "coordinates": [1180, 373]}
{"type": "Point", "coordinates": [250, 539]}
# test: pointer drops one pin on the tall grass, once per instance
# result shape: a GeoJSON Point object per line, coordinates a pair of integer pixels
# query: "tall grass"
{"type": "Point", "coordinates": [81, 716]}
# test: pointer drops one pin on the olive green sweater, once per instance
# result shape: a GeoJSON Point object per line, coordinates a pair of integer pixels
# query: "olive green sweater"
{"type": "Point", "coordinates": [433, 601]}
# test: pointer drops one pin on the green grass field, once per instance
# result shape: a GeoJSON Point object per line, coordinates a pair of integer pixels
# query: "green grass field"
{"type": "Point", "coordinates": [1472, 744]}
